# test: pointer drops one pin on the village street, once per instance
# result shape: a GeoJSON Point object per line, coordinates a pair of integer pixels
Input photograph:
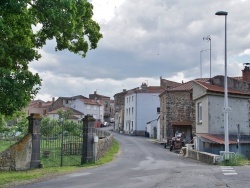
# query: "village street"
{"type": "Point", "coordinates": [144, 164]}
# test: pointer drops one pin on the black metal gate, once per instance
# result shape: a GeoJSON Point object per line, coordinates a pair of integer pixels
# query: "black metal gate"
{"type": "Point", "coordinates": [62, 143]}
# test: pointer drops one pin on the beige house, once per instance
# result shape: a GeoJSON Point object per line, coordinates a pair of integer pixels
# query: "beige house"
{"type": "Point", "coordinates": [38, 107]}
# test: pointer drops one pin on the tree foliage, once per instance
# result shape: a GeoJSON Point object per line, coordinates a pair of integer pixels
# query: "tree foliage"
{"type": "Point", "coordinates": [69, 22]}
{"type": "Point", "coordinates": [64, 114]}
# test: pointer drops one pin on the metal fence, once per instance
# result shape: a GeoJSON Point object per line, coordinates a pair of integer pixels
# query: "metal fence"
{"type": "Point", "coordinates": [62, 143]}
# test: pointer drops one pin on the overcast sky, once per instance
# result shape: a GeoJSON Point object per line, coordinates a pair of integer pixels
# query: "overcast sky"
{"type": "Point", "coordinates": [145, 39]}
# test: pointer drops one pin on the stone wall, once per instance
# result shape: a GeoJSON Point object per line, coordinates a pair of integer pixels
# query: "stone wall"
{"type": "Point", "coordinates": [25, 154]}
{"type": "Point", "coordinates": [180, 107]}
{"type": "Point", "coordinates": [202, 156]}
{"type": "Point", "coordinates": [105, 142]}
{"type": "Point", "coordinates": [18, 156]}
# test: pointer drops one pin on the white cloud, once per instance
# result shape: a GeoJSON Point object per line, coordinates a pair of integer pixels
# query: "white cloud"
{"type": "Point", "coordinates": [245, 52]}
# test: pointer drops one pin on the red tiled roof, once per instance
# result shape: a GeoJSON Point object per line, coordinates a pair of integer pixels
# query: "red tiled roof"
{"type": "Point", "coordinates": [215, 88]}
{"type": "Point", "coordinates": [220, 139]}
{"type": "Point", "coordinates": [168, 83]}
{"type": "Point", "coordinates": [212, 138]}
{"type": "Point", "coordinates": [181, 123]}
{"type": "Point", "coordinates": [90, 102]}
{"type": "Point", "coordinates": [188, 86]}
{"type": "Point", "coordinates": [183, 87]}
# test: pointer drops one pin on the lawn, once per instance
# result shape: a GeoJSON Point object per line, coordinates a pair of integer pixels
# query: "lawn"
{"type": "Point", "coordinates": [14, 178]}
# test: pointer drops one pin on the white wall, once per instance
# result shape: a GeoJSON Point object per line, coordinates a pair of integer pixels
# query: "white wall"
{"type": "Point", "coordinates": [146, 111]}
{"type": "Point", "coordinates": [130, 112]}
{"type": "Point", "coordinates": [94, 110]}
{"type": "Point", "coordinates": [213, 115]}
{"type": "Point", "coordinates": [238, 115]}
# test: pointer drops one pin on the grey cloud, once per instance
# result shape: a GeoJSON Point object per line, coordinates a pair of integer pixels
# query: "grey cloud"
{"type": "Point", "coordinates": [149, 38]}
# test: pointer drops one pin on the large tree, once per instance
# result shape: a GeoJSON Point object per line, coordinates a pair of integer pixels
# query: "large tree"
{"type": "Point", "coordinates": [25, 26]}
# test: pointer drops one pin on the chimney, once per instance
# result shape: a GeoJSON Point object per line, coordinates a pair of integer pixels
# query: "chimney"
{"type": "Point", "coordinates": [53, 99]}
{"type": "Point", "coordinates": [124, 90]}
{"type": "Point", "coordinates": [246, 72]}
{"type": "Point", "coordinates": [95, 92]}
{"type": "Point", "coordinates": [39, 104]}
{"type": "Point", "coordinates": [144, 87]}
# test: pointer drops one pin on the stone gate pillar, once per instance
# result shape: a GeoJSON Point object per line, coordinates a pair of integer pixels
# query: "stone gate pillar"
{"type": "Point", "coordinates": [35, 130]}
{"type": "Point", "coordinates": [88, 139]}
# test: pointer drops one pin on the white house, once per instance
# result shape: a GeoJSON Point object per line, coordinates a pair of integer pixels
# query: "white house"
{"type": "Point", "coordinates": [76, 116]}
{"type": "Point", "coordinates": [141, 107]}
{"type": "Point", "coordinates": [209, 103]}
{"type": "Point", "coordinates": [88, 107]}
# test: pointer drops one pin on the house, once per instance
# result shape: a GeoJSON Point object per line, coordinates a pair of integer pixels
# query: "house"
{"type": "Point", "coordinates": [140, 107]}
{"type": "Point", "coordinates": [38, 107]}
{"type": "Point", "coordinates": [105, 101]}
{"type": "Point", "coordinates": [76, 116]}
{"type": "Point", "coordinates": [209, 102]}
{"type": "Point", "coordinates": [81, 104]}
{"type": "Point", "coordinates": [88, 106]}
{"type": "Point", "coordinates": [177, 111]}
{"type": "Point", "coordinates": [119, 104]}
{"type": "Point", "coordinates": [64, 102]}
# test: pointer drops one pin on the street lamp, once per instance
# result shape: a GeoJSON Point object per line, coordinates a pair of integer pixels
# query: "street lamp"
{"type": "Point", "coordinates": [208, 38]}
{"type": "Point", "coordinates": [226, 109]}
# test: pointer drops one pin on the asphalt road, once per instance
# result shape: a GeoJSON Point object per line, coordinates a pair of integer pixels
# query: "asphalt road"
{"type": "Point", "coordinates": [144, 164]}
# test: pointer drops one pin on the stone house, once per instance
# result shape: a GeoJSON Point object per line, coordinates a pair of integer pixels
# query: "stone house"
{"type": "Point", "coordinates": [177, 111]}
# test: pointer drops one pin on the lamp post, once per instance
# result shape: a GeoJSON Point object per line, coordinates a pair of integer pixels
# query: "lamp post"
{"type": "Point", "coordinates": [226, 109]}
{"type": "Point", "coordinates": [208, 38]}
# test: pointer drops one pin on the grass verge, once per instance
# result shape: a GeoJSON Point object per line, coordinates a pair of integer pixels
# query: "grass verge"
{"type": "Point", "coordinates": [9, 179]}
{"type": "Point", "coordinates": [236, 160]}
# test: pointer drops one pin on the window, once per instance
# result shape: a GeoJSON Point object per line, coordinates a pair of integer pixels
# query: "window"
{"type": "Point", "coordinates": [132, 110]}
{"type": "Point", "coordinates": [199, 112]}
{"type": "Point", "coordinates": [88, 107]}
